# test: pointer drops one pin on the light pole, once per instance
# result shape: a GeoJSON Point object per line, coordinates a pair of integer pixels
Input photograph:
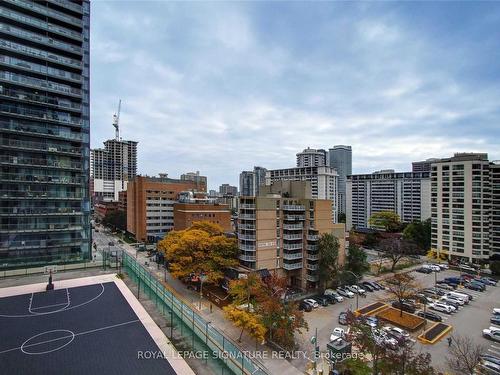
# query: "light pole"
{"type": "Point", "coordinates": [203, 277]}
{"type": "Point", "coordinates": [357, 278]}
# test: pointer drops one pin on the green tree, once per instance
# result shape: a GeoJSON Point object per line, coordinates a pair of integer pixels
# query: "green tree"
{"type": "Point", "coordinates": [342, 218]}
{"type": "Point", "coordinates": [419, 232]}
{"type": "Point", "coordinates": [328, 246]}
{"type": "Point", "coordinates": [396, 249]}
{"type": "Point", "coordinates": [356, 260]}
{"type": "Point", "coordinates": [386, 220]}
{"type": "Point", "coordinates": [495, 267]}
{"type": "Point", "coordinates": [116, 219]}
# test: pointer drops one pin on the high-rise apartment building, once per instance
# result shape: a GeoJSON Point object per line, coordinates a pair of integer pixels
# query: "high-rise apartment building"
{"type": "Point", "coordinates": [150, 205]}
{"type": "Point", "coordinates": [44, 130]}
{"type": "Point", "coordinates": [111, 168]}
{"type": "Point", "coordinates": [312, 158]}
{"type": "Point", "coordinates": [461, 206]}
{"type": "Point", "coordinates": [422, 166]}
{"type": "Point", "coordinates": [201, 181]}
{"type": "Point", "coordinates": [495, 209]}
{"type": "Point", "coordinates": [279, 231]}
{"type": "Point", "coordinates": [251, 181]}
{"type": "Point", "coordinates": [323, 182]}
{"type": "Point", "coordinates": [340, 158]}
{"type": "Point", "coordinates": [405, 193]}
{"type": "Point", "coordinates": [226, 189]}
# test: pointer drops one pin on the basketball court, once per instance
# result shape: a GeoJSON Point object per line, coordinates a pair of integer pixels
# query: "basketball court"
{"type": "Point", "coordinates": [92, 325]}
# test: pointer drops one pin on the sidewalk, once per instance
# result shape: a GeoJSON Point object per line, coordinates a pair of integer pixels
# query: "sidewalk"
{"type": "Point", "coordinates": [216, 317]}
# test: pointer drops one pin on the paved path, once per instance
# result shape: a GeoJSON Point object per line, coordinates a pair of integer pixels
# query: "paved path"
{"type": "Point", "coordinates": [216, 317]}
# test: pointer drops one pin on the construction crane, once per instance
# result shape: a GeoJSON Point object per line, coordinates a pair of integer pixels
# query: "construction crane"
{"type": "Point", "coordinates": [116, 121]}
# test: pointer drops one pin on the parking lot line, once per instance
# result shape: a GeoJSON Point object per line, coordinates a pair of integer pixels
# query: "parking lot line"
{"type": "Point", "coordinates": [494, 351]}
{"type": "Point", "coordinates": [495, 347]}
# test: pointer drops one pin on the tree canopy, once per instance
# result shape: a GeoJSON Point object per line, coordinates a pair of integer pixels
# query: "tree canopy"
{"type": "Point", "coordinates": [356, 260]}
{"type": "Point", "coordinates": [386, 220]}
{"type": "Point", "coordinates": [419, 232]}
{"type": "Point", "coordinates": [202, 248]}
{"type": "Point", "coordinates": [328, 246]}
{"type": "Point", "coordinates": [396, 249]}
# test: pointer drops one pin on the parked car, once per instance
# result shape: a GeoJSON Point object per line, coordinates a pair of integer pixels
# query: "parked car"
{"type": "Point", "coordinates": [430, 315]}
{"type": "Point", "coordinates": [492, 333]}
{"type": "Point", "coordinates": [451, 302]}
{"type": "Point", "coordinates": [399, 334]}
{"type": "Point", "coordinates": [356, 289]}
{"type": "Point", "coordinates": [435, 291]}
{"type": "Point", "coordinates": [370, 321]}
{"type": "Point", "coordinates": [381, 338]}
{"type": "Point", "coordinates": [331, 299]}
{"type": "Point", "coordinates": [490, 358]}
{"type": "Point", "coordinates": [475, 286]}
{"type": "Point", "coordinates": [442, 307]}
{"type": "Point", "coordinates": [462, 299]}
{"type": "Point", "coordinates": [423, 270]}
{"type": "Point", "coordinates": [312, 302]}
{"type": "Point", "coordinates": [444, 286]}
{"type": "Point", "coordinates": [328, 292]}
{"type": "Point", "coordinates": [405, 306]}
{"type": "Point", "coordinates": [368, 287]}
{"type": "Point", "coordinates": [380, 286]}
{"type": "Point", "coordinates": [337, 333]}
{"type": "Point", "coordinates": [491, 280]}
{"type": "Point", "coordinates": [322, 300]}
{"type": "Point", "coordinates": [455, 280]}
{"type": "Point", "coordinates": [496, 310]}
{"type": "Point", "coordinates": [432, 267]}
{"type": "Point", "coordinates": [345, 292]}
{"type": "Point", "coordinates": [422, 298]}
{"type": "Point", "coordinates": [304, 306]}
{"type": "Point", "coordinates": [486, 281]}
{"type": "Point", "coordinates": [333, 293]}
{"type": "Point", "coordinates": [443, 266]}
{"type": "Point", "coordinates": [343, 318]}
{"type": "Point", "coordinates": [490, 368]}
{"type": "Point", "coordinates": [495, 319]}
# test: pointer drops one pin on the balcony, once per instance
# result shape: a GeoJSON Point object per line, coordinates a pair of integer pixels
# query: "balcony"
{"type": "Point", "coordinates": [292, 266]}
{"type": "Point", "coordinates": [312, 237]}
{"type": "Point", "coordinates": [33, 98]}
{"type": "Point", "coordinates": [247, 237]}
{"type": "Point", "coordinates": [40, 211]}
{"type": "Point", "coordinates": [46, 11]}
{"type": "Point", "coordinates": [26, 145]}
{"type": "Point", "coordinates": [15, 160]}
{"type": "Point", "coordinates": [28, 228]}
{"type": "Point", "coordinates": [246, 247]}
{"type": "Point", "coordinates": [292, 236]}
{"type": "Point", "coordinates": [312, 256]}
{"type": "Point", "coordinates": [312, 267]}
{"type": "Point", "coordinates": [16, 194]}
{"type": "Point", "coordinates": [247, 216]}
{"type": "Point", "coordinates": [294, 217]}
{"type": "Point", "coordinates": [58, 180]}
{"type": "Point", "coordinates": [30, 244]}
{"type": "Point", "coordinates": [248, 258]}
{"type": "Point", "coordinates": [292, 226]}
{"type": "Point", "coordinates": [68, 4]}
{"type": "Point", "coordinates": [248, 206]}
{"type": "Point", "coordinates": [293, 207]}
{"type": "Point", "coordinates": [37, 68]}
{"type": "Point", "coordinates": [312, 278]}
{"type": "Point", "coordinates": [292, 256]}
{"type": "Point", "coordinates": [31, 129]}
{"type": "Point", "coordinates": [292, 246]}
{"type": "Point", "coordinates": [246, 226]}
{"type": "Point", "coordinates": [37, 83]}
{"type": "Point", "coordinates": [312, 247]}
{"type": "Point", "coordinates": [50, 115]}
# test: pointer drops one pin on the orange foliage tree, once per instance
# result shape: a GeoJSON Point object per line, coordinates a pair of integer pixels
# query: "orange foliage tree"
{"type": "Point", "coordinates": [201, 248]}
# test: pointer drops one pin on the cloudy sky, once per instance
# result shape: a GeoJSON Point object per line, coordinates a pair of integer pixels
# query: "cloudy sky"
{"type": "Point", "coordinates": [219, 87]}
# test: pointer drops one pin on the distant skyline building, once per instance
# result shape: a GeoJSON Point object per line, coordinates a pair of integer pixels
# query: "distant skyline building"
{"type": "Point", "coordinates": [226, 189]}
{"type": "Point", "coordinates": [251, 181]}
{"type": "Point", "coordinates": [312, 158]}
{"type": "Point", "coordinates": [461, 206]}
{"type": "Point", "coordinates": [111, 168]}
{"type": "Point", "coordinates": [44, 131]}
{"type": "Point", "coordinates": [423, 166]}
{"type": "Point", "coordinates": [340, 158]}
{"type": "Point", "coordinates": [404, 193]}
{"type": "Point", "coordinates": [323, 180]}
{"type": "Point", "coordinates": [201, 181]}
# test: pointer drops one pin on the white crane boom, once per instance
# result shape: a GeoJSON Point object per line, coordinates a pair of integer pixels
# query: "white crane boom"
{"type": "Point", "coordinates": [116, 121]}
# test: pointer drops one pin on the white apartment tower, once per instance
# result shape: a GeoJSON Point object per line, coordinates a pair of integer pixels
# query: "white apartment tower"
{"type": "Point", "coordinates": [405, 193]}
{"type": "Point", "coordinates": [495, 209]}
{"type": "Point", "coordinates": [111, 168]}
{"type": "Point", "coordinates": [461, 206]}
{"type": "Point", "coordinates": [312, 158]}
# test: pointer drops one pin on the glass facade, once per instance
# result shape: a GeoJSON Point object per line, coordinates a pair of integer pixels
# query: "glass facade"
{"type": "Point", "coordinates": [44, 131]}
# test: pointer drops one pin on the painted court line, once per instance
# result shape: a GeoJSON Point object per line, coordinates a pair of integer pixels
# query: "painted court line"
{"type": "Point", "coordinates": [69, 336]}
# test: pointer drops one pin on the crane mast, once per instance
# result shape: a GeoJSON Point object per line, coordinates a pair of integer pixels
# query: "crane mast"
{"type": "Point", "coordinates": [116, 121]}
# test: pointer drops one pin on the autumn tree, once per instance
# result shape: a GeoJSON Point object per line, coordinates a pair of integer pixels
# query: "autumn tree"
{"type": "Point", "coordinates": [419, 232]}
{"type": "Point", "coordinates": [465, 355]}
{"type": "Point", "coordinates": [396, 249]}
{"type": "Point", "coordinates": [386, 220]}
{"type": "Point", "coordinates": [202, 248]}
{"type": "Point", "coordinates": [363, 338]}
{"type": "Point", "coordinates": [402, 286]}
{"type": "Point", "coordinates": [247, 321]}
{"type": "Point", "coordinates": [328, 246]}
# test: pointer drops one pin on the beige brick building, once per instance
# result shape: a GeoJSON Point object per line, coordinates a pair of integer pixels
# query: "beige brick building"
{"type": "Point", "coordinates": [279, 231]}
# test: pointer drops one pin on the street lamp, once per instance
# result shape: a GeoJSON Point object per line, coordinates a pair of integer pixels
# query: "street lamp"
{"type": "Point", "coordinates": [203, 278]}
{"type": "Point", "coordinates": [357, 278]}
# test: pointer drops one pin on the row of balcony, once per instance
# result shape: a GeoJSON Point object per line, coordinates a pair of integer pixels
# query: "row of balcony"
{"type": "Point", "coordinates": [292, 236]}
{"type": "Point", "coordinates": [312, 267]}
{"type": "Point", "coordinates": [44, 25]}
{"type": "Point", "coordinates": [247, 216]}
{"type": "Point", "coordinates": [30, 244]}
{"type": "Point", "coordinates": [247, 206]}
{"type": "Point", "coordinates": [28, 145]}
{"type": "Point", "coordinates": [59, 164]}
{"type": "Point", "coordinates": [38, 68]}
{"type": "Point", "coordinates": [246, 226]}
{"type": "Point", "coordinates": [292, 246]}
{"type": "Point", "coordinates": [312, 256]}
{"type": "Point", "coordinates": [13, 194]}
{"type": "Point", "coordinates": [247, 237]}
{"type": "Point", "coordinates": [43, 211]}
{"type": "Point", "coordinates": [66, 180]}
{"type": "Point", "coordinates": [293, 226]}
{"type": "Point", "coordinates": [68, 4]}
{"type": "Point", "coordinates": [312, 247]}
{"type": "Point", "coordinates": [292, 266]}
{"type": "Point", "coordinates": [248, 258]}
{"type": "Point", "coordinates": [56, 132]}
{"type": "Point", "coordinates": [18, 228]}
{"type": "Point", "coordinates": [38, 83]}
{"type": "Point", "coordinates": [37, 98]}
{"type": "Point", "coordinates": [48, 114]}
{"type": "Point", "coordinates": [46, 11]}
{"type": "Point", "coordinates": [292, 256]}
{"type": "Point", "coordinates": [39, 38]}
{"type": "Point", "coordinates": [293, 207]}
{"type": "Point", "coordinates": [294, 217]}
{"type": "Point", "coordinates": [312, 278]}
{"type": "Point", "coordinates": [312, 237]}
{"type": "Point", "coordinates": [246, 247]}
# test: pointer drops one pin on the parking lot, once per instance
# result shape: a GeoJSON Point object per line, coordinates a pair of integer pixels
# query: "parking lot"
{"type": "Point", "coordinates": [468, 321]}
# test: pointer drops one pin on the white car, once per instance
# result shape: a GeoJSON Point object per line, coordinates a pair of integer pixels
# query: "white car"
{"type": "Point", "coordinates": [312, 302]}
{"type": "Point", "coordinates": [433, 267]}
{"type": "Point", "coordinates": [492, 333]}
{"type": "Point", "coordinates": [443, 266]}
{"type": "Point", "coordinates": [356, 289]}
{"type": "Point", "coordinates": [496, 310]}
{"type": "Point", "coordinates": [381, 338]}
{"type": "Point", "coordinates": [331, 292]}
{"type": "Point", "coordinates": [345, 292]}
{"type": "Point", "coordinates": [460, 301]}
{"type": "Point", "coordinates": [337, 333]}
{"type": "Point", "coordinates": [442, 307]}
{"type": "Point", "coordinates": [397, 331]}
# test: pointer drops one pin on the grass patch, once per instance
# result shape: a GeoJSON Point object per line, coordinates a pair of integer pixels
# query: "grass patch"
{"type": "Point", "coordinates": [407, 321]}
